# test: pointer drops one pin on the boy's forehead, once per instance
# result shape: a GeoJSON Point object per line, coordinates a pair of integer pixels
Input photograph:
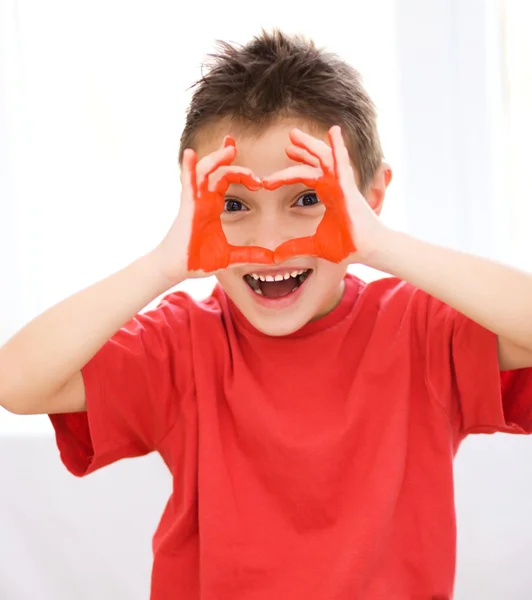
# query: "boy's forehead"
{"type": "Point", "coordinates": [262, 151]}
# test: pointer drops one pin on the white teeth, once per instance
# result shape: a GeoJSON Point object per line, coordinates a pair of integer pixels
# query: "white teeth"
{"type": "Point", "coordinates": [259, 292]}
{"type": "Point", "coordinates": [277, 277]}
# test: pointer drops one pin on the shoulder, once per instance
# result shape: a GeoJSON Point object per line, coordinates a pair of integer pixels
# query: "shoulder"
{"type": "Point", "coordinates": [391, 293]}
{"type": "Point", "coordinates": [179, 310]}
{"type": "Point", "coordinates": [398, 302]}
{"type": "Point", "coordinates": [387, 289]}
{"type": "Point", "coordinates": [175, 331]}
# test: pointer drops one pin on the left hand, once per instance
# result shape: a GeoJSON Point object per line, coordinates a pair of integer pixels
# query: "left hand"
{"type": "Point", "coordinates": [205, 185]}
{"type": "Point", "coordinates": [349, 228]}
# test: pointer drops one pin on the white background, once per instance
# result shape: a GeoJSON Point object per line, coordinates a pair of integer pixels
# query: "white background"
{"type": "Point", "coordinates": [92, 97]}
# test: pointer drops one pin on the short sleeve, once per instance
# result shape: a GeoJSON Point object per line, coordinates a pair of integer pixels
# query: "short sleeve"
{"type": "Point", "coordinates": [133, 388]}
{"type": "Point", "coordinates": [463, 375]}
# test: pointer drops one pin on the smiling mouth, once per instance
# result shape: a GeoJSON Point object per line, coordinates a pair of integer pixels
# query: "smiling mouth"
{"type": "Point", "coordinates": [276, 285]}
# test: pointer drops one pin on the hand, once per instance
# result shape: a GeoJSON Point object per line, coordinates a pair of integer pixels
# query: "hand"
{"type": "Point", "coordinates": [349, 223]}
{"type": "Point", "coordinates": [195, 245]}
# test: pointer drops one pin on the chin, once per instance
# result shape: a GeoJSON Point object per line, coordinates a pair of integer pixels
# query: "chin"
{"type": "Point", "coordinates": [279, 301]}
{"type": "Point", "coordinates": [277, 326]}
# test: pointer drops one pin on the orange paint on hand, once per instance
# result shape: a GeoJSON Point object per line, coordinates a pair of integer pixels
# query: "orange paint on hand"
{"type": "Point", "coordinates": [333, 240]}
{"type": "Point", "coordinates": [209, 250]}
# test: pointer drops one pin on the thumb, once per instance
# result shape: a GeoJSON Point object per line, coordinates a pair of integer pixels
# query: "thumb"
{"type": "Point", "coordinates": [188, 173]}
{"type": "Point", "coordinates": [229, 140]}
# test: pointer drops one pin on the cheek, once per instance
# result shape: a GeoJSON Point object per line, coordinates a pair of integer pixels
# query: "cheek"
{"type": "Point", "coordinates": [305, 220]}
{"type": "Point", "coordinates": [239, 228]}
{"type": "Point", "coordinates": [331, 271]}
{"type": "Point", "coordinates": [227, 279]}
{"type": "Point", "coordinates": [331, 287]}
{"type": "Point", "coordinates": [329, 277]}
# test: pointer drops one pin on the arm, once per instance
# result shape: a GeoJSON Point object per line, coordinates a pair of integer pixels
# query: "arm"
{"type": "Point", "coordinates": [496, 296]}
{"type": "Point", "coordinates": [40, 366]}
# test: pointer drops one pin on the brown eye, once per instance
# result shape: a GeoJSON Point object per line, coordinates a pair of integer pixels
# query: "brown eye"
{"type": "Point", "coordinates": [234, 206]}
{"type": "Point", "coordinates": [307, 199]}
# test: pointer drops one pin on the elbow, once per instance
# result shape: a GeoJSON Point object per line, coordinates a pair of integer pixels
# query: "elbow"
{"type": "Point", "coordinates": [14, 396]}
{"type": "Point", "coordinates": [8, 398]}
{"type": "Point", "coordinates": [15, 408]}
{"type": "Point", "coordinates": [4, 397]}
{"type": "Point", "coordinates": [8, 404]}
{"type": "Point", "coordinates": [7, 391]}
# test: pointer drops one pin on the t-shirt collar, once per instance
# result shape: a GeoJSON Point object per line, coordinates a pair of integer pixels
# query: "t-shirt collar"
{"type": "Point", "coordinates": [352, 288]}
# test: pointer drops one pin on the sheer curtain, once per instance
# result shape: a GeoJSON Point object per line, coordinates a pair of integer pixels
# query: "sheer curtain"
{"type": "Point", "coordinates": [494, 473]}
{"type": "Point", "coordinates": [517, 45]}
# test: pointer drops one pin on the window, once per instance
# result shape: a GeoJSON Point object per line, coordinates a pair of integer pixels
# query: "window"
{"type": "Point", "coordinates": [517, 48]}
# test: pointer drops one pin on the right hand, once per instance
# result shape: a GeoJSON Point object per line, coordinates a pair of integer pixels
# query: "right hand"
{"type": "Point", "coordinates": [195, 245]}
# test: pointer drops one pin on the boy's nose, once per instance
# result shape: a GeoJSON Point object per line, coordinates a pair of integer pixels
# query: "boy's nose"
{"type": "Point", "coordinates": [269, 229]}
{"type": "Point", "coordinates": [271, 233]}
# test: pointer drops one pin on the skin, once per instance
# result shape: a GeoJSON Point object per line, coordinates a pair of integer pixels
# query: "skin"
{"type": "Point", "coordinates": [40, 366]}
{"type": "Point", "coordinates": [273, 216]}
{"type": "Point", "coordinates": [463, 281]}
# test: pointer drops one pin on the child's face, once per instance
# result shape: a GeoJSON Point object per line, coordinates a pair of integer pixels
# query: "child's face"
{"type": "Point", "coordinates": [267, 219]}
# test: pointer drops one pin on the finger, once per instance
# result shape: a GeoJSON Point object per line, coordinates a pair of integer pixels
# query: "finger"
{"type": "Point", "coordinates": [208, 164]}
{"type": "Point", "coordinates": [305, 174]}
{"type": "Point", "coordinates": [188, 171]}
{"type": "Point", "coordinates": [304, 246]}
{"type": "Point", "coordinates": [301, 155]}
{"type": "Point", "coordinates": [223, 177]}
{"type": "Point", "coordinates": [342, 161]}
{"type": "Point", "coordinates": [229, 140]}
{"type": "Point", "coordinates": [249, 255]}
{"type": "Point", "coordinates": [339, 149]}
{"type": "Point", "coordinates": [318, 149]}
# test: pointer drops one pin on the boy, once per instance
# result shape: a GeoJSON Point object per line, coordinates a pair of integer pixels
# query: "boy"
{"type": "Point", "coordinates": [309, 420]}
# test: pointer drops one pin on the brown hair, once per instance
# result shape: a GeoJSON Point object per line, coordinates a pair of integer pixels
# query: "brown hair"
{"type": "Point", "coordinates": [275, 76]}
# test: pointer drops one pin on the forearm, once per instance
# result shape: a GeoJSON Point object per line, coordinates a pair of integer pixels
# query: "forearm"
{"type": "Point", "coordinates": [46, 353]}
{"type": "Point", "coordinates": [496, 296]}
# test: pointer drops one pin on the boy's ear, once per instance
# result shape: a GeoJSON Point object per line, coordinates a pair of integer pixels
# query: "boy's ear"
{"type": "Point", "coordinates": [377, 188]}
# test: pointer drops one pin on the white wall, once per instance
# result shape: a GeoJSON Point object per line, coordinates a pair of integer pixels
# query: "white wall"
{"type": "Point", "coordinates": [9, 272]}
{"type": "Point", "coordinates": [88, 181]}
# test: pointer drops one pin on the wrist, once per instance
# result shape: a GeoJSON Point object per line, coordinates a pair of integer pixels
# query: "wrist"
{"type": "Point", "coordinates": [397, 254]}
{"type": "Point", "coordinates": [163, 277]}
{"type": "Point", "coordinates": [378, 254]}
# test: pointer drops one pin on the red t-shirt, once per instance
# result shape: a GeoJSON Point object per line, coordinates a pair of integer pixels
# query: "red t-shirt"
{"type": "Point", "coordinates": [317, 465]}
